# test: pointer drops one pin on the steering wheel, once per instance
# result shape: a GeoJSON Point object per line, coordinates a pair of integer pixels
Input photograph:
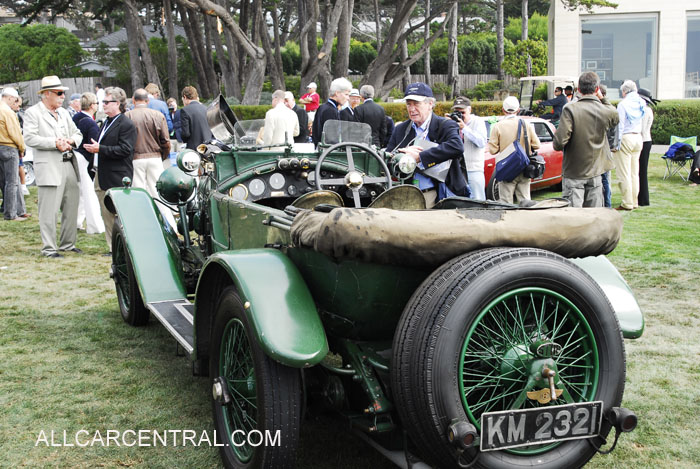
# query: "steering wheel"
{"type": "Point", "coordinates": [354, 179]}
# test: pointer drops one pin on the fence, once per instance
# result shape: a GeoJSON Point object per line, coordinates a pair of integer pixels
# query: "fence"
{"type": "Point", "coordinates": [29, 90]}
{"type": "Point", "coordinates": [464, 82]}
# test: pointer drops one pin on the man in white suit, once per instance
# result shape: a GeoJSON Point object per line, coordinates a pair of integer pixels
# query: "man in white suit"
{"type": "Point", "coordinates": [50, 131]}
{"type": "Point", "coordinates": [281, 123]}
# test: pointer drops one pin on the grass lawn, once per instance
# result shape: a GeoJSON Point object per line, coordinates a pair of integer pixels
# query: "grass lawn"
{"type": "Point", "coordinates": [68, 362]}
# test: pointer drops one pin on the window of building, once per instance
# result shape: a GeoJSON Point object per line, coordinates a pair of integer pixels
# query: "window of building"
{"type": "Point", "coordinates": [618, 48]}
{"type": "Point", "coordinates": [692, 58]}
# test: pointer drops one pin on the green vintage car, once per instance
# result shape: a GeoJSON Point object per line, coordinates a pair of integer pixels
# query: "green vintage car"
{"type": "Point", "coordinates": [471, 334]}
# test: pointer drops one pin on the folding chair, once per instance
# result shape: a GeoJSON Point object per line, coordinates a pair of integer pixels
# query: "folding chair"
{"type": "Point", "coordinates": [680, 164]}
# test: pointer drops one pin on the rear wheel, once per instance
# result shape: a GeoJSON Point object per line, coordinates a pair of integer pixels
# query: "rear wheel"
{"type": "Point", "coordinates": [131, 305]}
{"type": "Point", "coordinates": [464, 347]}
{"type": "Point", "coordinates": [265, 396]}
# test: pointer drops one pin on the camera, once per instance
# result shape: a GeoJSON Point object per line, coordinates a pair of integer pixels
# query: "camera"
{"type": "Point", "coordinates": [456, 116]}
{"type": "Point", "coordinates": [67, 155]}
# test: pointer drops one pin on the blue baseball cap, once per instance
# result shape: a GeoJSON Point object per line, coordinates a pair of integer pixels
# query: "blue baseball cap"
{"type": "Point", "coordinates": [418, 92]}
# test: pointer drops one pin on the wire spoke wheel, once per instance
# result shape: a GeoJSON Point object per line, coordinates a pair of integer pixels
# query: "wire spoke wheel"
{"type": "Point", "coordinates": [131, 305]}
{"type": "Point", "coordinates": [497, 355]}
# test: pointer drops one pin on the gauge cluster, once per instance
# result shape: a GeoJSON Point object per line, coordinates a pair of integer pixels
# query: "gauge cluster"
{"type": "Point", "coordinates": [293, 177]}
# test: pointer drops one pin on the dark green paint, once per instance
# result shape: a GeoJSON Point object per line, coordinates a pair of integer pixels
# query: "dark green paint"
{"type": "Point", "coordinates": [281, 309]}
{"type": "Point", "coordinates": [356, 299]}
{"type": "Point", "coordinates": [152, 244]}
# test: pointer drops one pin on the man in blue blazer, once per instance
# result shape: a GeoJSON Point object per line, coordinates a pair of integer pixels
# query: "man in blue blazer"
{"type": "Point", "coordinates": [430, 140]}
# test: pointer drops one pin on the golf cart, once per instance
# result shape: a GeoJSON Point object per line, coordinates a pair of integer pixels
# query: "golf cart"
{"type": "Point", "coordinates": [528, 86]}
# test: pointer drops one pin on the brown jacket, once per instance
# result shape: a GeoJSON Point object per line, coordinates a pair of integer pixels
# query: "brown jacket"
{"type": "Point", "coordinates": [582, 135]}
{"type": "Point", "coordinates": [153, 140]}
{"type": "Point", "coordinates": [10, 131]}
{"type": "Point", "coordinates": [505, 131]}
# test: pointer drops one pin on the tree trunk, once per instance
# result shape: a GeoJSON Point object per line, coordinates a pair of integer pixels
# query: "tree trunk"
{"type": "Point", "coordinates": [426, 59]}
{"type": "Point", "coordinates": [407, 80]}
{"type": "Point", "coordinates": [256, 74]}
{"type": "Point", "coordinates": [244, 19]}
{"type": "Point", "coordinates": [224, 59]}
{"type": "Point", "coordinates": [151, 71]}
{"type": "Point", "coordinates": [273, 66]}
{"type": "Point", "coordinates": [383, 73]}
{"type": "Point", "coordinates": [453, 54]}
{"type": "Point", "coordinates": [315, 63]}
{"type": "Point", "coordinates": [342, 56]}
{"type": "Point", "coordinates": [193, 39]}
{"type": "Point", "coordinates": [378, 23]}
{"type": "Point", "coordinates": [525, 17]}
{"type": "Point", "coordinates": [232, 48]}
{"type": "Point", "coordinates": [212, 78]}
{"type": "Point", "coordinates": [172, 49]}
{"type": "Point", "coordinates": [278, 45]}
{"type": "Point", "coordinates": [499, 38]}
{"type": "Point", "coordinates": [132, 26]}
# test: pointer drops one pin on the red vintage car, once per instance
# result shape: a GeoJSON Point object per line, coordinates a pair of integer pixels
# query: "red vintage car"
{"type": "Point", "coordinates": [553, 158]}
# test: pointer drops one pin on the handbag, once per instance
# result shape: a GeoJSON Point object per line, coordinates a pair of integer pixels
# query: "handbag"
{"type": "Point", "coordinates": [516, 158]}
{"type": "Point", "coordinates": [535, 169]}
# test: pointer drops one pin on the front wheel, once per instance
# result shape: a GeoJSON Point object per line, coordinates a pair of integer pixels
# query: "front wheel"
{"type": "Point", "coordinates": [259, 418]}
{"type": "Point", "coordinates": [134, 312]}
{"type": "Point", "coordinates": [492, 192]}
{"type": "Point", "coordinates": [479, 332]}
{"type": "Point", "coordinates": [29, 178]}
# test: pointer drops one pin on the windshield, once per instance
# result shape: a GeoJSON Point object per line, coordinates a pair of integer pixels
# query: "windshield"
{"type": "Point", "coordinates": [249, 133]}
{"type": "Point", "coordinates": [335, 131]}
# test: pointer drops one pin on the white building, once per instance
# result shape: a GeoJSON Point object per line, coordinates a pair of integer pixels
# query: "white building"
{"type": "Point", "coordinates": [655, 43]}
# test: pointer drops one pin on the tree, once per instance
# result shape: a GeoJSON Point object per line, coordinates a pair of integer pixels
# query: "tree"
{"type": "Point", "coordinates": [513, 63]}
{"type": "Point", "coordinates": [32, 52]}
{"type": "Point", "coordinates": [453, 53]}
{"type": "Point", "coordinates": [537, 28]}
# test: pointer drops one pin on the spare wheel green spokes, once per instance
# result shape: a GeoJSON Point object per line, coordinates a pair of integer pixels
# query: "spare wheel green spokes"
{"type": "Point", "coordinates": [501, 353]}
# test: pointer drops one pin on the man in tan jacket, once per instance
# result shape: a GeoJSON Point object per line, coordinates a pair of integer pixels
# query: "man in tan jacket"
{"type": "Point", "coordinates": [582, 137]}
{"type": "Point", "coordinates": [11, 149]}
{"type": "Point", "coordinates": [502, 135]}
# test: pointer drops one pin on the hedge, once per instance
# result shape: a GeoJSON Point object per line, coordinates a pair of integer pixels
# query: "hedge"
{"type": "Point", "coordinates": [673, 117]}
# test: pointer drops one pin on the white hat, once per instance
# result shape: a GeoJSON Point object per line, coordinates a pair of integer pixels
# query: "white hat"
{"type": "Point", "coordinates": [511, 104]}
{"type": "Point", "coordinates": [51, 82]}
{"type": "Point", "coordinates": [354, 92]}
{"type": "Point", "coordinates": [288, 95]}
{"type": "Point", "coordinates": [312, 85]}
{"type": "Point", "coordinates": [10, 91]}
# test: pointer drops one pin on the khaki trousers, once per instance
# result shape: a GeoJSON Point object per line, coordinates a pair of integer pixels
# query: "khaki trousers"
{"type": "Point", "coordinates": [64, 197]}
{"type": "Point", "coordinates": [520, 187]}
{"type": "Point", "coordinates": [627, 169]}
{"type": "Point", "coordinates": [107, 216]}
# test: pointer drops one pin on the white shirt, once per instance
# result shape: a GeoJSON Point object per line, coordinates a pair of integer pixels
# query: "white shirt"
{"type": "Point", "coordinates": [474, 136]}
{"type": "Point", "coordinates": [281, 123]}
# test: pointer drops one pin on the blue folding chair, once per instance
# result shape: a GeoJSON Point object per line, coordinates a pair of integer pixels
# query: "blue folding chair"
{"type": "Point", "coordinates": [680, 162]}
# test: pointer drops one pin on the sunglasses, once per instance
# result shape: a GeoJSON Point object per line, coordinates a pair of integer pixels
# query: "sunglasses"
{"type": "Point", "coordinates": [58, 93]}
{"type": "Point", "coordinates": [107, 101]}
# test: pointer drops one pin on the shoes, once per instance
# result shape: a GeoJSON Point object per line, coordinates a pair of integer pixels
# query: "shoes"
{"type": "Point", "coordinates": [17, 219]}
{"type": "Point", "coordinates": [25, 215]}
{"type": "Point", "coordinates": [107, 254]}
{"type": "Point", "coordinates": [73, 249]}
{"type": "Point", "coordinates": [53, 255]}
{"type": "Point", "coordinates": [623, 209]}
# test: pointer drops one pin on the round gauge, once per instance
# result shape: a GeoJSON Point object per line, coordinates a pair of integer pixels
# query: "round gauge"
{"type": "Point", "coordinates": [311, 179]}
{"type": "Point", "coordinates": [256, 187]}
{"type": "Point", "coordinates": [277, 181]}
{"type": "Point", "coordinates": [239, 192]}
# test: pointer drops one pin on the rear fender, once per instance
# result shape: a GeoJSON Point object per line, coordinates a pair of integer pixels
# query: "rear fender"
{"type": "Point", "coordinates": [152, 244]}
{"type": "Point", "coordinates": [277, 303]}
{"type": "Point", "coordinates": [629, 314]}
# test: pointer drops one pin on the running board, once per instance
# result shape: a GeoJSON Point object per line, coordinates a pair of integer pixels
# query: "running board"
{"type": "Point", "coordinates": [176, 316]}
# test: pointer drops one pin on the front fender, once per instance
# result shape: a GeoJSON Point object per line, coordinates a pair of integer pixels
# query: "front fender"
{"type": "Point", "coordinates": [277, 302]}
{"type": "Point", "coordinates": [152, 244]}
{"type": "Point", "coordinates": [629, 314]}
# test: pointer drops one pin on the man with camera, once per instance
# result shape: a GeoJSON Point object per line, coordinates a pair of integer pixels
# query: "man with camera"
{"type": "Point", "coordinates": [472, 129]}
{"type": "Point", "coordinates": [50, 131]}
{"type": "Point", "coordinates": [582, 135]}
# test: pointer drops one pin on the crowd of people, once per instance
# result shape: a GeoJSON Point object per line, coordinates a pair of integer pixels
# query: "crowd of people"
{"type": "Point", "coordinates": [78, 156]}
{"type": "Point", "coordinates": [83, 150]}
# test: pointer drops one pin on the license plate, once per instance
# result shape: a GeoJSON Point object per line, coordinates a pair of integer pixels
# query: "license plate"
{"type": "Point", "coordinates": [514, 428]}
